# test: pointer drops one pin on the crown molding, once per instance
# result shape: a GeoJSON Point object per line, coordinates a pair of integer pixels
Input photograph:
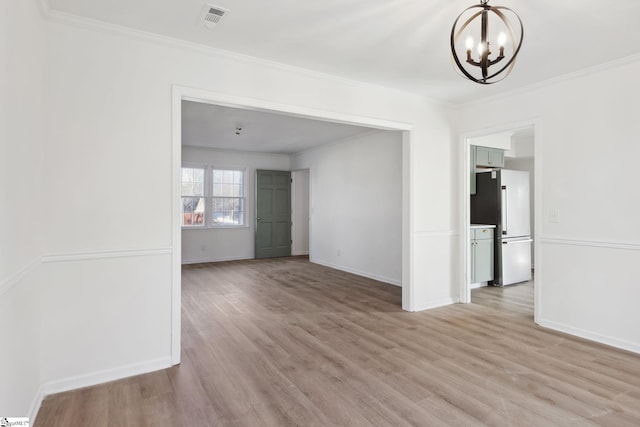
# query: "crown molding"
{"type": "Point", "coordinates": [56, 16]}
{"type": "Point", "coordinates": [59, 17]}
{"type": "Point", "coordinates": [594, 69]}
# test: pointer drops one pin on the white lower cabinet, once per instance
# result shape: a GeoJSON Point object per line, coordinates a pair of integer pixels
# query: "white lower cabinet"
{"type": "Point", "coordinates": [481, 254]}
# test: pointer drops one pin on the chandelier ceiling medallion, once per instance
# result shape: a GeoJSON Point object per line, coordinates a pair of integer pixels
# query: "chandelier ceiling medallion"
{"type": "Point", "coordinates": [472, 36]}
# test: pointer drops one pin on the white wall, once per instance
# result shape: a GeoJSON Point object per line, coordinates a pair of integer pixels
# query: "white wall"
{"type": "Point", "coordinates": [106, 189]}
{"type": "Point", "coordinates": [588, 137]}
{"type": "Point", "coordinates": [108, 179]}
{"type": "Point", "coordinates": [300, 218]}
{"type": "Point", "coordinates": [495, 140]}
{"type": "Point", "coordinates": [21, 126]}
{"type": "Point", "coordinates": [210, 245]}
{"type": "Point", "coordinates": [522, 146]}
{"type": "Point", "coordinates": [21, 209]}
{"type": "Point", "coordinates": [355, 206]}
{"type": "Point", "coordinates": [93, 323]}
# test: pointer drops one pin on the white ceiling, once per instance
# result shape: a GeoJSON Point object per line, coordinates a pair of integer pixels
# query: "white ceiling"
{"type": "Point", "coordinates": [402, 44]}
{"type": "Point", "coordinates": [213, 126]}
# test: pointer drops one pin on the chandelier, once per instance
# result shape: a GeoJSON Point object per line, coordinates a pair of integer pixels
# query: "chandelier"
{"type": "Point", "coordinates": [472, 36]}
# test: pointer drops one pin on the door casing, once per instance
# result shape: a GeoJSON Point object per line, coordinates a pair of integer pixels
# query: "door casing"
{"type": "Point", "coordinates": [465, 211]}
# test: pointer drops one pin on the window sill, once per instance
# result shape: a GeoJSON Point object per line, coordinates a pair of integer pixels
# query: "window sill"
{"type": "Point", "coordinates": [217, 227]}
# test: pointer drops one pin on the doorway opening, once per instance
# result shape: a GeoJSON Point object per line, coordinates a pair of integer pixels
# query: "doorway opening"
{"type": "Point", "coordinates": [499, 222]}
{"type": "Point", "coordinates": [181, 94]}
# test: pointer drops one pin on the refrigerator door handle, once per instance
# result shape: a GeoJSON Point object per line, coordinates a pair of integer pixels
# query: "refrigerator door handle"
{"type": "Point", "coordinates": [503, 211]}
{"type": "Point", "coordinates": [511, 242]}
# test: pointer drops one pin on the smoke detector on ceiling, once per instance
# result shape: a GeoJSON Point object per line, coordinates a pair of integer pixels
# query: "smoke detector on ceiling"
{"type": "Point", "coordinates": [213, 15]}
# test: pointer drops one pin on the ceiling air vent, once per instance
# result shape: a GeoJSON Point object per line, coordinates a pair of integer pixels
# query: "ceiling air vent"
{"type": "Point", "coordinates": [213, 15]}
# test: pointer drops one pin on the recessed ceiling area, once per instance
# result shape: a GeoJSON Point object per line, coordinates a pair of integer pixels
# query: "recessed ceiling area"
{"type": "Point", "coordinates": [402, 44]}
{"type": "Point", "coordinates": [215, 126]}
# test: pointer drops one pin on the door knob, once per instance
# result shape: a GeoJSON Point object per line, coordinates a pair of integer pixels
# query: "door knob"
{"type": "Point", "coordinates": [258, 218]}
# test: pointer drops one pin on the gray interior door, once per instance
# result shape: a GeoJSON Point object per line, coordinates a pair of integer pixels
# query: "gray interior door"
{"type": "Point", "coordinates": [273, 214]}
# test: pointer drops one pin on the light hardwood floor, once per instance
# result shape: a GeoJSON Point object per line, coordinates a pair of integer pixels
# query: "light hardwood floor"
{"type": "Point", "coordinates": [286, 342]}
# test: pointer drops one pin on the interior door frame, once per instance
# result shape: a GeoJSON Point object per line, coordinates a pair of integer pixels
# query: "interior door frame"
{"type": "Point", "coordinates": [180, 93]}
{"type": "Point", "coordinates": [295, 215]}
{"type": "Point", "coordinates": [465, 208]}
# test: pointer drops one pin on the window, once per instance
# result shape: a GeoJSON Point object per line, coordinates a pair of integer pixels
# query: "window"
{"type": "Point", "coordinates": [193, 196]}
{"type": "Point", "coordinates": [228, 197]}
{"type": "Point", "coordinates": [212, 197]}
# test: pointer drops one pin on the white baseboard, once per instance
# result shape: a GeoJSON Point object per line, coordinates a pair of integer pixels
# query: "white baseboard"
{"type": "Point", "coordinates": [592, 336]}
{"type": "Point", "coordinates": [436, 303]}
{"type": "Point", "coordinates": [298, 253]}
{"type": "Point", "coordinates": [377, 277]}
{"type": "Point", "coordinates": [99, 377]}
{"type": "Point", "coordinates": [35, 405]}
{"type": "Point", "coordinates": [218, 259]}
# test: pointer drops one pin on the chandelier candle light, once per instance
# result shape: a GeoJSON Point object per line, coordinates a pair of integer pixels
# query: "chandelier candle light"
{"type": "Point", "coordinates": [495, 23]}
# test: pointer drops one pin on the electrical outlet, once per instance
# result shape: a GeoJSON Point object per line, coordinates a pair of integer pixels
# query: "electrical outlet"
{"type": "Point", "coordinates": [338, 252]}
{"type": "Point", "coordinates": [554, 216]}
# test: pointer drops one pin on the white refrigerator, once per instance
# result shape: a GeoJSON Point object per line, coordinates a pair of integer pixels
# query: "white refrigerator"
{"type": "Point", "coordinates": [502, 198]}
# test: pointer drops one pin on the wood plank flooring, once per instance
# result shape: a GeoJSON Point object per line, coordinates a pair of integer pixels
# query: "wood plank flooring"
{"type": "Point", "coordinates": [285, 342]}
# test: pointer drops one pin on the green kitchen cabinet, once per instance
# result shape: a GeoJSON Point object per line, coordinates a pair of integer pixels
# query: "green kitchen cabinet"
{"type": "Point", "coordinates": [482, 254]}
{"type": "Point", "coordinates": [489, 157]}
